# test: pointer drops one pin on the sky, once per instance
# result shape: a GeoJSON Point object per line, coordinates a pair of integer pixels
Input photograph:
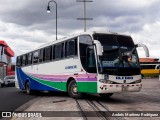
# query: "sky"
{"type": "Point", "coordinates": [25, 24]}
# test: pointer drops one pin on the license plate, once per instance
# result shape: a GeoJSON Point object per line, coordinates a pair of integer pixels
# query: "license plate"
{"type": "Point", "coordinates": [124, 88]}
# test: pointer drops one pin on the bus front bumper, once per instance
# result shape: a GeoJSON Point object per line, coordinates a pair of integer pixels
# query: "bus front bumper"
{"type": "Point", "coordinates": [115, 88]}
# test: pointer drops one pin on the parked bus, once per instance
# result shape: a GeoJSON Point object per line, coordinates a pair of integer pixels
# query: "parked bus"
{"type": "Point", "coordinates": [101, 63]}
{"type": "Point", "coordinates": [150, 69]}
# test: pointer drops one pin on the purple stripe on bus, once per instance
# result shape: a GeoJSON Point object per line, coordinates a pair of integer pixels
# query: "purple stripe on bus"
{"type": "Point", "coordinates": [58, 76]}
{"type": "Point", "coordinates": [58, 79]}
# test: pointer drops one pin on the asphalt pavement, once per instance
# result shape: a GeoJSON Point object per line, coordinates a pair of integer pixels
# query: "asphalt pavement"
{"type": "Point", "coordinates": [11, 98]}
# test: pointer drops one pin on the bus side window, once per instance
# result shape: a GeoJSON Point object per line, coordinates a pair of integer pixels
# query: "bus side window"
{"type": "Point", "coordinates": [35, 56]}
{"type": "Point", "coordinates": [29, 58]}
{"type": "Point", "coordinates": [26, 59]}
{"type": "Point", "coordinates": [41, 56]}
{"type": "Point", "coordinates": [48, 53]}
{"type": "Point", "coordinates": [23, 60]}
{"type": "Point", "coordinates": [62, 50]}
{"type": "Point", "coordinates": [18, 63]}
{"type": "Point", "coordinates": [65, 49]}
{"type": "Point", "coordinates": [71, 48]}
{"type": "Point", "coordinates": [58, 52]}
{"type": "Point", "coordinates": [53, 52]}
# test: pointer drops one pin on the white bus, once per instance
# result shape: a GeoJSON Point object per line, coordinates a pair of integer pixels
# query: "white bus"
{"type": "Point", "coordinates": [96, 62]}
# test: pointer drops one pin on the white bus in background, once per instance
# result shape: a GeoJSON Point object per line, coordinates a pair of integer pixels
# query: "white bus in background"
{"type": "Point", "coordinates": [96, 62]}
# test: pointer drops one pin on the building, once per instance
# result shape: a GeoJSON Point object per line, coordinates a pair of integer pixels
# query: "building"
{"type": "Point", "coordinates": [6, 67]}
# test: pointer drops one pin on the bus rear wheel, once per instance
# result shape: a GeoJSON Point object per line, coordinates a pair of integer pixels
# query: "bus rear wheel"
{"type": "Point", "coordinates": [73, 90]}
{"type": "Point", "coordinates": [107, 95]}
{"type": "Point", "coordinates": [28, 89]}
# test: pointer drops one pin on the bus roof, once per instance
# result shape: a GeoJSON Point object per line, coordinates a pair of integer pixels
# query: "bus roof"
{"type": "Point", "coordinates": [73, 36]}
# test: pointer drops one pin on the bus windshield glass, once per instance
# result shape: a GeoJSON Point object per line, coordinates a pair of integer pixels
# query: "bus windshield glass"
{"type": "Point", "coordinates": [119, 54]}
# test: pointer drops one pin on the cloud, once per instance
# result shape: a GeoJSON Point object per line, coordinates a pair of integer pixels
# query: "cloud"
{"type": "Point", "coordinates": [25, 24]}
{"type": "Point", "coordinates": [149, 36]}
{"type": "Point", "coordinates": [20, 39]}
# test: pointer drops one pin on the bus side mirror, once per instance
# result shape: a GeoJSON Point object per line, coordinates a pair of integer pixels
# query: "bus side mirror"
{"type": "Point", "coordinates": [98, 47]}
{"type": "Point", "coordinates": [145, 49]}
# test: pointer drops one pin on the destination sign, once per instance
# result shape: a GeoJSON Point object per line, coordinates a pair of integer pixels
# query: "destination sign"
{"type": "Point", "coordinates": [124, 78]}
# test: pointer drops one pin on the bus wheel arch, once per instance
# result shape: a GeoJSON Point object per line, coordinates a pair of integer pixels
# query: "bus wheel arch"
{"type": "Point", "coordinates": [72, 88]}
{"type": "Point", "coordinates": [68, 81]}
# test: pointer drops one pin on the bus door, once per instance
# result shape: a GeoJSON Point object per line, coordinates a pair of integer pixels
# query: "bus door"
{"type": "Point", "coordinates": [87, 58]}
{"type": "Point", "coordinates": [91, 69]}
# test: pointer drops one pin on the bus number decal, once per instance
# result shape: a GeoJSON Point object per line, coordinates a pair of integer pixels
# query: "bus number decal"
{"type": "Point", "coordinates": [124, 77]}
{"type": "Point", "coordinates": [71, 67]}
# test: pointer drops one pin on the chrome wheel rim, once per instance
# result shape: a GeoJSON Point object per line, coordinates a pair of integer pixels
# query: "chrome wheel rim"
{"type": "Point", "coordinates": [74, 89]}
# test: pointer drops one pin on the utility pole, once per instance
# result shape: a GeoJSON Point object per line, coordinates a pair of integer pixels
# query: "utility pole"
{"type": "Point", "coordinates": [84, 15]}
{"type": "Point", "coordinates": [84, 18]}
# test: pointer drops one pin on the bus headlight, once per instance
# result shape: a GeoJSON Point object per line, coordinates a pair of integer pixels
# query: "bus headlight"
{"type": "Point", "coordinates": [138, 81]}
{"type": "Point", "coordinates": [105, 81]}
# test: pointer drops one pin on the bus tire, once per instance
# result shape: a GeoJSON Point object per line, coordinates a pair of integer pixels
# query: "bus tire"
{"type": "Point", "coordinates": [28, 89]}
{"type": "Point", "coordinates": [107, 95]}
{"type": "Point", "coordinates": [72, 90]}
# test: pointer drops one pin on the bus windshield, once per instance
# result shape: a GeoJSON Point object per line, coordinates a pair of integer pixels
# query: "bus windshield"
{"type": "Point", "coordinates": [119, 53]}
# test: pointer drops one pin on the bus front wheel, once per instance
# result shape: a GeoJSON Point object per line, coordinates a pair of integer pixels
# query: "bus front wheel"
{"type": "Point", "coordinates": [73, 90]}
{"type": "Point", "coordinates": [28, 89]}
